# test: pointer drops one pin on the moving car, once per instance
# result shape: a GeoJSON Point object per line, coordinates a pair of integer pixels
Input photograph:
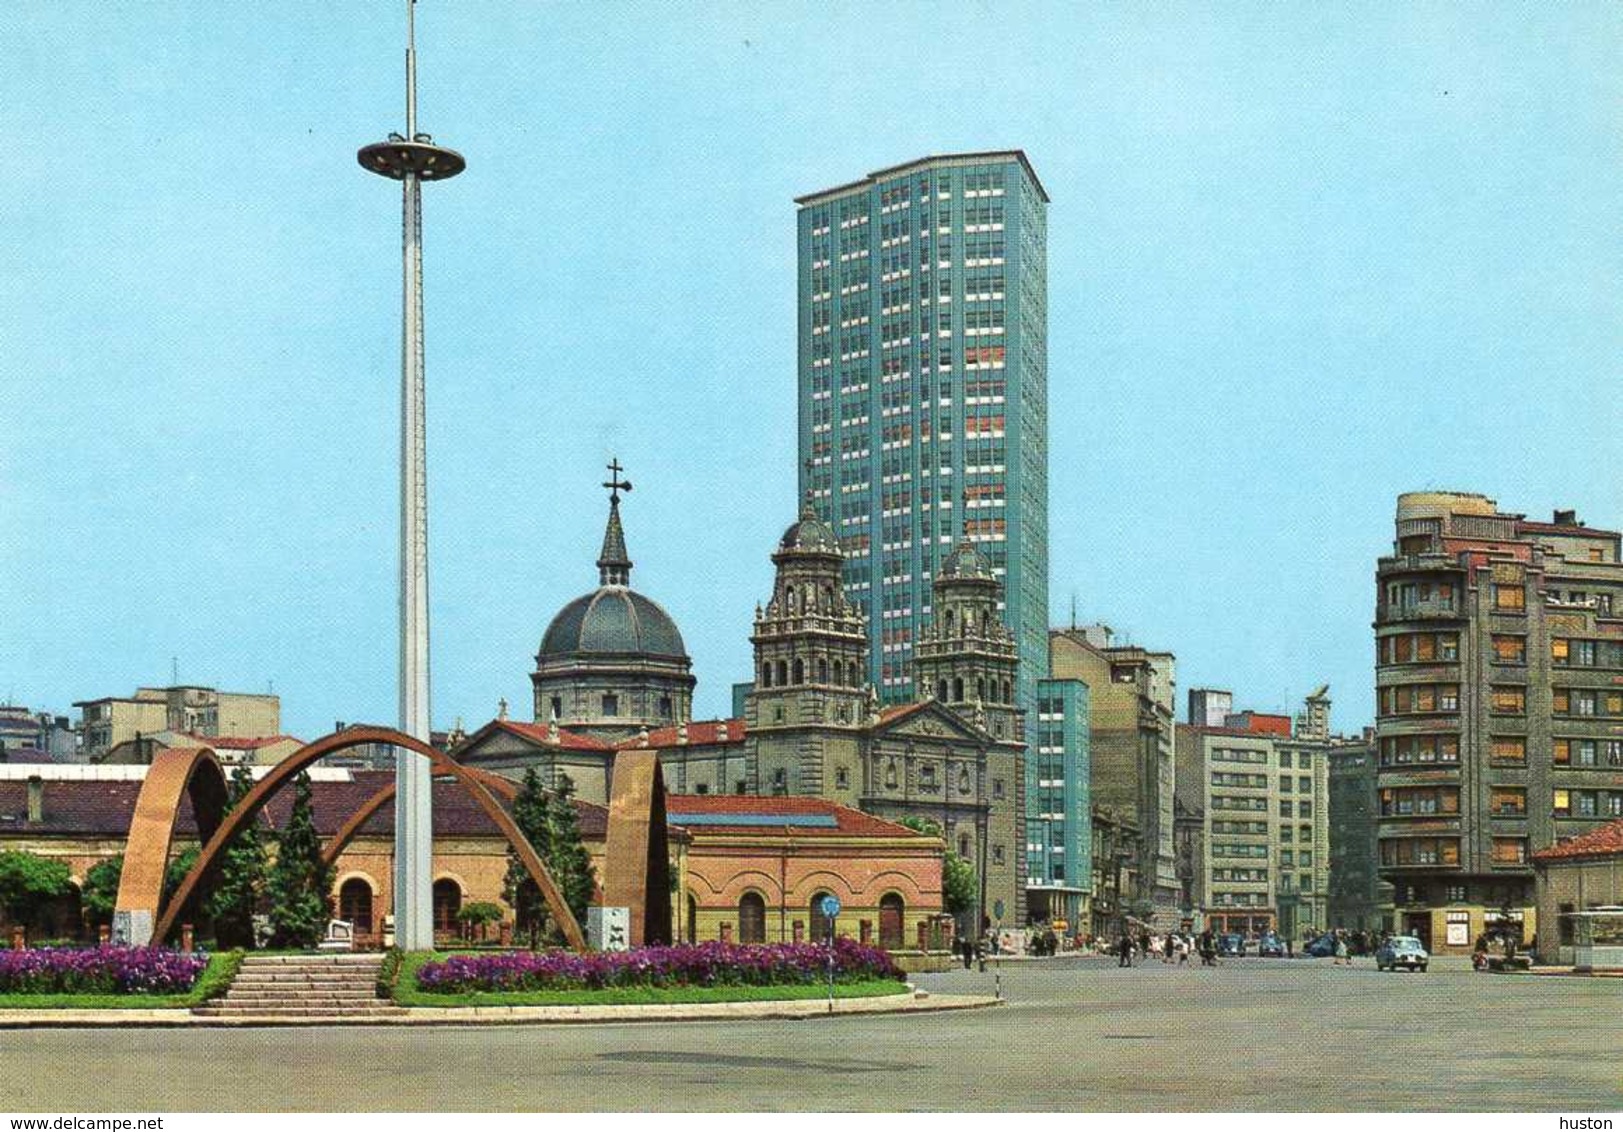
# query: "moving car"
{"type": "Point", "coordinates": [1271, 947]}
{"type": "Point", "coordinates": [1231, 945]}
{"type": "Point", "coordinates": [1323, 947]}
{"type": "Point", "coordinates": [1401, 951]}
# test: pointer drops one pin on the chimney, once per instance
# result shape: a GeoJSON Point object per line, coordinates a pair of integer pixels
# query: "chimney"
{"type": "Point", "coordinates": [682, 734]}
{"type": "Point", "coordinates": [36, 799]}
{"type": "Point", "coordinates": [1566, 519]}
{"type": "Point", "coordinates": [721, 731]}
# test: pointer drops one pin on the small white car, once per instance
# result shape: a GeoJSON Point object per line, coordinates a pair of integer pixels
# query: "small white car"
{"type": "Point", "coordinates": [1401, 951]}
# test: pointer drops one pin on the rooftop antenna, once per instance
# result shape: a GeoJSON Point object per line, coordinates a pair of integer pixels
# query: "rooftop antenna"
{"type": "Point", "coordinates": [1073, 611]}
{"type": "Point", "coordinates": [174, 671]}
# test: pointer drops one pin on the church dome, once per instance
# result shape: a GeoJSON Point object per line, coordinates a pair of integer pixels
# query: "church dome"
{"type": "Point", "coordinates": [809, 533]}
{"type": "Point", "coordinates": [966, 561]}
{"type": "Point", "coordinates": [612, 620]}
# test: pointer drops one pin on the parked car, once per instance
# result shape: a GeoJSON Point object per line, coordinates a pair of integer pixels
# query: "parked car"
{"type": "Point", "coordinates": [1401, 951]}
{"type": "Point", "coordinates": [1231, 945]}
{"type": "Point", "coordinates": [1271, 947]}
{"type": "Point", "coordinates": [1323, 947]}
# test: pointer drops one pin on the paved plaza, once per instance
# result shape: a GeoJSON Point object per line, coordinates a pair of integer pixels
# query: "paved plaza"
{"type": "Point", "coordinates": [1077, 1034]}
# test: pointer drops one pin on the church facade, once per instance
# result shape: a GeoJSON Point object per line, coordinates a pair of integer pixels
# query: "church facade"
{"type": "Point", "coordinates": [611, 674]}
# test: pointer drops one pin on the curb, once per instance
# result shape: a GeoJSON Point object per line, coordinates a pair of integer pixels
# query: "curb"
{"type": "Point", "coordinates": [787, 1009]}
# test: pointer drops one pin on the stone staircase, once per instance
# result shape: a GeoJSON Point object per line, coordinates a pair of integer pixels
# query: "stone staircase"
{"type": "Point", "coordinates": [298, 987]}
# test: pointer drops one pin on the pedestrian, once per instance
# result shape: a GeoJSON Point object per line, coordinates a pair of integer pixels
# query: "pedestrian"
{"type": "Point", "coordinates": [966, 946]}
{"type": "Point", "coordinates": [1125, 951]}
{"type": "Point", "coordinates": [1341, 951]}
{"type": "Point", "coordinates": [1183, 950]}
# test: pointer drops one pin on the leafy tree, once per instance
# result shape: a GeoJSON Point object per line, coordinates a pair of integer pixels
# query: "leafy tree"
{"type": "Point", "coordinates": [478, 915]}
{"type": "Point", "coordinates": [98, 896]}
{"type": "Point", "coordinates": [300, 883]}
{"type": "Point", "coordinates": [28, 882]}
{"type": "Point", "coordinates": [959, 883]}
{"type": "Point", "coordinates": [518, 888]}
{"type": "Point", "coordinates": [242, 875]}
{"type": "Point", "coordinates": [175, 871]}
{"type": "Point", "coordinates": [568, 860]}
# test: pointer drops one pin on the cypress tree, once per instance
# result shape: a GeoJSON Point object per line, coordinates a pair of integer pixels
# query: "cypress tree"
{"type": "Point", "coordinates": [571, 865]}
{"type": "Point", "coordinates": [518, 888]}
{"type": "Point", "coordinates": [300, 883]}
{"type": "Point", "coordinates": [242, 875]}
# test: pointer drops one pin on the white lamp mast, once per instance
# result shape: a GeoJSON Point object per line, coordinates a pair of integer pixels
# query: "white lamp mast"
{"type": "Point", "coordinates": [412, 159]}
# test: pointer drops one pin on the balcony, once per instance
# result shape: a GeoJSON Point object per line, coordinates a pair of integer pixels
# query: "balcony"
{"type": "Point", "coordinates": [1418, 611]}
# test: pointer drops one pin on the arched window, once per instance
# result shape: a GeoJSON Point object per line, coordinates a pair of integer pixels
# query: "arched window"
{"type": "Point", "coordinates": [665, 707]}
{"type": "Point", "coordinates": [819, 922]}
{"type": "Point", "coordinates": [891, 910]}
{"type": "Point", "coordinates": [751, 918]}
{"type": "Point", "coordinates": [447, 903]}
{"type": "Point", "coordinates": [980, 689]}
{"type": "Point", "coordinates": [963, 780]}
{"type": "Point", "coordinates": [941, 690]}
{"type": "Point", "coordinates": [557, 707]}
{"type": "Point", "coordinates": [963, 846]}
{"type": "Point", "coordinates": [611, 704]}
{"type": "Point", "coordinates": [355, 904]}
{"type": "Point", "coordinates": [986, 622]}
{"type": "Point", "coordinates": [783, 672]}
{"type": "Point", "coordinates": [766, 674]}
{"type": "Point", "coordinates": [949, 621]}
{"type": "Point", "coordinates": [1008, 693]}
{"type": "Point", "coordinates": [693, 919]}
{"type": "Point", "coordinates": [822, 670]}
{"type": "Point", "coordinates": [957, 689]}
{"type": "Point", "coordinates": [828, 599]}
{"type": "Point", "coordinates": [800, 671]}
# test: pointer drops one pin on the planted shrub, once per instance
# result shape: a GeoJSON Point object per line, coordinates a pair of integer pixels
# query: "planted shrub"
{"type": "Point", "coordinates": [685, 965]}
{"type": "Point", "coordinates": [110, 969]}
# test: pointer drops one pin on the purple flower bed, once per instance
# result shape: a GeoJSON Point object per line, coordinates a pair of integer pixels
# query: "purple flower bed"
{"type": "Point", "coordinates": [685, 965]}
{"type": "Point", "coordinates": [99, 970]}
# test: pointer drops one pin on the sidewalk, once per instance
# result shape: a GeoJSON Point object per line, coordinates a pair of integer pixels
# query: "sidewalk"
{"type": "Point", "coordinates": [915, 1003]}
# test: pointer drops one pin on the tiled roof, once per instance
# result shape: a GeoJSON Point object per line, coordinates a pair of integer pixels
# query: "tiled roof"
{"type": "Point", "coordinates": [701, 733]}
{"type": "Point", "coordinates": [1606, 841]}
{"type": "Point", "coordinates": [902, 711]}
{"type": "Point", "coordinates": [541, 733]}
{"type": "Point", "coordinates": [103, 809]}
{"type": "Point", "coordinates": [241, 743]}
{"type": "Point", "coordinates": [848, 822]}
{"type": "Point", "coordinates": [1574, 530]}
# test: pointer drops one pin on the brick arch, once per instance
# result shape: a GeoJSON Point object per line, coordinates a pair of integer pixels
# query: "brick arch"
{"type": "Point", "coordinates": [740, 880]}
{"type": "Point", "coordinates": [195, 772]}
{"type": "Point", "coordinates": [901, 883]}
{"type": "Point", "coordinates": [826, 880]}
{"type": "Point", "coordinates": [288, 769]}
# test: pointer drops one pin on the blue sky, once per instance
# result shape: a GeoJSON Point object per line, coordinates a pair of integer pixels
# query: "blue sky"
{"type": "Point", "coordinates": [1301, 259]}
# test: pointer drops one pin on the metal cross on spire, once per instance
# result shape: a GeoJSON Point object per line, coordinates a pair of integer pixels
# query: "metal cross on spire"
{"type": "Point", "coordinates": [615, 484]}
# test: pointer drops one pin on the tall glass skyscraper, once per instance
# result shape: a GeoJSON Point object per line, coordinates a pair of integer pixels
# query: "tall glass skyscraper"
{"type": "Point", "coordinates": [923, 388]}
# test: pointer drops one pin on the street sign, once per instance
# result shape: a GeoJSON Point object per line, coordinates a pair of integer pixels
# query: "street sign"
{"type": "Point", "coordinates": [829, 905]}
